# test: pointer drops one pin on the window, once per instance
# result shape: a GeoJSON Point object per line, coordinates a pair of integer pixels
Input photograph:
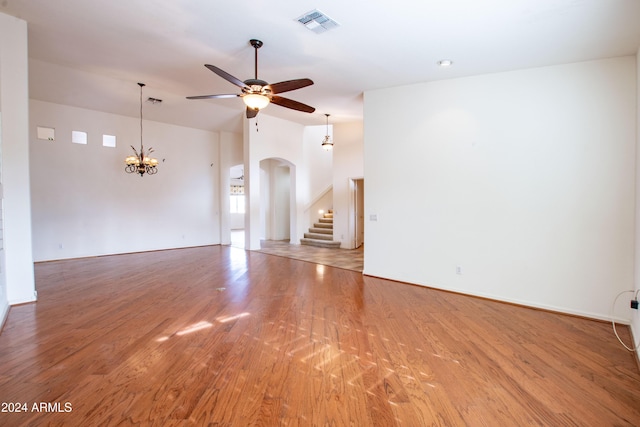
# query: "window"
{"type": "Point", "coordinates": [108, 140]}
{"type": "Point", "coordinates": [237, 203]}
{"type": "Point", "coordinates": [78, 137]}
{"type": "Point", "coordinates": [236, 199]}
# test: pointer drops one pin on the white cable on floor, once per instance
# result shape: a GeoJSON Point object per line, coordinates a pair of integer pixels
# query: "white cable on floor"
{"type": "Point", "coordinates": [613, 322]}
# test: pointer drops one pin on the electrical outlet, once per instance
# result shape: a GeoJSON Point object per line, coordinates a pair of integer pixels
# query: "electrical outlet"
{"type": "Point", "coordinates": [458, 269]}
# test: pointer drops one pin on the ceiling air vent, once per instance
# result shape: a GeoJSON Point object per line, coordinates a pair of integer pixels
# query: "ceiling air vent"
{"type": "Point", "coordinates": [317, 21]}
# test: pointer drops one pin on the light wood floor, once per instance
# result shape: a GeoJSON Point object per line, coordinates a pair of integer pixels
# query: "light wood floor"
{"type": "Point", "coordinates": [224, 337]}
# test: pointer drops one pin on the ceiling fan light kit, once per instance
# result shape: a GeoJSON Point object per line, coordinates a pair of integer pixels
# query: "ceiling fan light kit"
{"type": "Point", "coordinates": [256, 101]}
{"type": "Point", "coordinates": [258, 94]}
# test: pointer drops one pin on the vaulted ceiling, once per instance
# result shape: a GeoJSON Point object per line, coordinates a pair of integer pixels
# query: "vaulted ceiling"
{"type": "Point", "coordinates": [91, 54]}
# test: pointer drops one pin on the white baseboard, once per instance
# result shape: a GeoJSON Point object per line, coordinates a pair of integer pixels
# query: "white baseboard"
{"type": "Point", "coordinates": [25, 300]}
{"type": "Point", "coordinates": [497, 298]}
{"type": "Point", "coordinates": [634, 335]}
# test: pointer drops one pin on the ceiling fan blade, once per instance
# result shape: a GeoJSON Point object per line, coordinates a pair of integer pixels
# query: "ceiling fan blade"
{"type": "Point", "coordinates": [226, 95]}
{"type": "Point", "coordinates": [251, 113]}
{"type": "Point", "coordinates": [290, 103]}
{"type": "Point", "coordinates": [288, 85]}
{"type": "Point", "coordinates": [228, 77]}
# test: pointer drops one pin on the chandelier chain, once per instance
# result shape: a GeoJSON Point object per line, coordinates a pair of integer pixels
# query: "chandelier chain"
{"type": "Point", "coordinates": [141, 86]}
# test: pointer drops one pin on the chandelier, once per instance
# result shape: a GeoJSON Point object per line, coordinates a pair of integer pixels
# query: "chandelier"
{"type": "Point", "coordinates": [141, 162]}
{"type": "Point", "coordinates": [327, 144]}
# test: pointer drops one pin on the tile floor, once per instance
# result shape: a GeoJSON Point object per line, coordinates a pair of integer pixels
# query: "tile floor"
{"type": "Point", "coordinates": [349, 259]}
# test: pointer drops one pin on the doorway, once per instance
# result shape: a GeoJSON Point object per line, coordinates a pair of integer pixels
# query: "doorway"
{"type": "Point", "coordinates": [357, 209]}
{"type": "Point", "coordinates": [277, 200]}
{"type": "Point", "coordinates": [236, 205]}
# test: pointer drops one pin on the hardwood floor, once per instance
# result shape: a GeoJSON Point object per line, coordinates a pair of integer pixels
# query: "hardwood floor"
{"type": "Point", "coordinates": [223, 337]}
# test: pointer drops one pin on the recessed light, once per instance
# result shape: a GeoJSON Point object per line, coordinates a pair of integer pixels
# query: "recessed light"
{"type": "Point", "coordinates": [445, 63]}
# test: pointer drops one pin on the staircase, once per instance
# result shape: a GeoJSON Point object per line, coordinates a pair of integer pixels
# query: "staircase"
{"type": "Point", "coordinates": [321, 234]}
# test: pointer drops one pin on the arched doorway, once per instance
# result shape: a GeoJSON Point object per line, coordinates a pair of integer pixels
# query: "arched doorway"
{"type": "Point", "coordinates": [277, 200]}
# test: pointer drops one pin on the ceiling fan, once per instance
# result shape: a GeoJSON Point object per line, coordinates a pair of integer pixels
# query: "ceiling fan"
{"type": "Point", "coordinates": [257, 94]}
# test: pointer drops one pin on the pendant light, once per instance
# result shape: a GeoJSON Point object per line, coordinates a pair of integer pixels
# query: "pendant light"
{"type": "Point", "coordinates": [327, 143]}
{"type": "Point", "coordinates": [141, 162]}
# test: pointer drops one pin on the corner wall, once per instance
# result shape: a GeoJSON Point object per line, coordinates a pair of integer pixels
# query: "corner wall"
{"type": "Point", "coordinates": [635, 315]}
{"type": "Point", "coordinates": [267, 137]}
{"type": "Point", "coordinates": [18, 274]}
{"type": "Point", "coordinates": [348, 163]}
{"type": "Point", "coordinates": [523, 182]}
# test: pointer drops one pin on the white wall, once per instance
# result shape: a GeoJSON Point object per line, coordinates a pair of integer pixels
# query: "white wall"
{"type": "Point", "coordinates": [524, 179]}
{"type": "Point", "coordinates": [84, 204]}
{"type": "Point", "coordinates": [348, 163]}
{"type": "Point", "coordinates": [635, 315]}
{"type": "Point", "coordinates": [14, 105]}
{"type": "Point", "coordinates": [236, 222]}
{"type": "Point", "coordinates": [4, 301]}
{"type": "Point", "coordinates": [323, 203]}
{"type": "Point", "coordinates": [318, 161]}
